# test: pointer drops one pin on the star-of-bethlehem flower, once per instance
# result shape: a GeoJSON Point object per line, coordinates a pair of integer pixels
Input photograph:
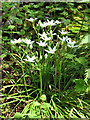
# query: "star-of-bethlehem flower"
{"type": "Point", "coordinates": [44, 36]}
{"type": "Point", "coordinates": [51, 32]}
{"type": "Point", "coordinates": [64, 38]}
{"type": "Point", "coordinates": [47, 23]}
{"type": "Point", "coordinates": [16, 41]}
{"type": "Point", "coordinates": [41, 43]}
{"type": "Point", "coordinates": [62, 32]}
{"type": "Point", "coordinates": [27, 41]}
{"type": "Point", "coordinates": [31, 19]}
{"type": "Point", "coordinates": [52, 51]}
{"type": "Point", "coordinates": [30, 59]}
{"type": "Point", "coordinates": [70, 43]}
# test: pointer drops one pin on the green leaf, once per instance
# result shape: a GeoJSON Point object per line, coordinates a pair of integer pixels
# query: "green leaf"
{"type": "Point", "coordinates": [65, 21]}
{"type": "Point", "coordinates": [18, 115]}
{"type": "Point", "coordinates": [81, 60]}
{"type": "Point", "coordinates": [85, 40]}
{"type": "Point", "coordinates": [36, 6]}
{"type": "Point", "coordinates": [59, 8]}
{"type": "Point", "coordinates": [22, 32]}
{"type": "Point", "coordinates": [69, 56]}
{"type": "Point", "coordinates": [11, 27]}
{"type": "Point", "coordinates": [47, 105]}
{"type": "Point", "coordinates": [25, 7]}
{"type": "Point", "coordinates": [80, 85]}
{"type": "Point", "coordinates": [36, 103]}
{"type": "Point", "coordinates": [2, 56]}
{"type": "Point", "coordinates": [18, 21]}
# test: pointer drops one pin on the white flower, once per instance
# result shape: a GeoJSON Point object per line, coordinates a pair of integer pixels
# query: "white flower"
{"type": "Point", "coordinates": [46, 38]}
{"type": "Point", "coordinates": [47, 23]}
{"type": "Point", "coordinates": [70, 43]}
{"type": "Point", "coordinates": [43, 34]}
{"type": "Point", "coordinates": [44, 24]}
{"type": "Point", "coordinates": [62, 32]}
{"type": "Point", "coordinates": [57, 22]}
{"type": "Point", "coordinates": [16, 41]}
{"type": "Point", "coordinates": [30, 59]}
{"type": "Point", "coordinates": [52, 22]}
{"type": "Point", "coordinates": [28, 41]}
{"type": "Point", "coordinates": [41, 43]}
{"type": "Point", "coordinates": [68, 39]}
{"type": "Point", "coordinates": [62, 39]}
{"type": "Point", "coordinates": [31, 19]}
{"type": "Point", "coordinates": [52, 51]}
{"type": "Point", "coordinates": [51, 32]}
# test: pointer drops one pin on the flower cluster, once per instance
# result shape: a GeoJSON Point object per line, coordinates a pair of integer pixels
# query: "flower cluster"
{"type": "Point", "coordinates": [45, 37]}
{"type": "Point", "coordinates": [27, 41]}
{"type": "Point", "coordinates": [68, 40]}
{"type": "Point", "coordinates": [48, 23]}
{"type": "Point", "coordinates": [16, 41]}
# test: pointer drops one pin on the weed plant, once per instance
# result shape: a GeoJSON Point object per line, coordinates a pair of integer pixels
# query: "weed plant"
{"type": "Point", "coordinates": [48, 77]}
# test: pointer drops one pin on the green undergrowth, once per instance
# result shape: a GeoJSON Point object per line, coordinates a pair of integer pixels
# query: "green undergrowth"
{"type": "Point", "coordinates": [45, 80]}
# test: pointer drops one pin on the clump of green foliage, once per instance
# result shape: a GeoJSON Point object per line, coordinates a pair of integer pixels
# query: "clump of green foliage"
{"type": "Point", "coordinates": [49, 79]}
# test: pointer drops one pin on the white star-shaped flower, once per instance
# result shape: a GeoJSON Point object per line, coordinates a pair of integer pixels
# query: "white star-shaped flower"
{"type": "Point", "coordinates": [43, 34]}
{"type": "Point", "coordinates": [62, 39]}
{"type": "Point", "coordinates": [30, 59]}
{"type": "Point", "coordinates": [42, 43]}
{"type": "Point", "coordinates": [48, 23]}
{"type": "Point", "coordinates": [52, 51]}
{"type": "Point", "coordinates": [46, 38]}
{"type": "Point", "coordinates": [57, 22]}
{"type": "Point", "coordinates": [62, 32]}
{"type": "Point", "coordinates": [16, 41]}
{"type": "Point", "coordinates": [31, 19]}
{"type": "Point", "coordinates": [71, 44]}
{"type": "Point", "coordinates": [28, 41]}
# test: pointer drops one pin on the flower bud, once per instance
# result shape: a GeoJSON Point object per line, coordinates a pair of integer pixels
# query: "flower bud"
{"type": "Point", "coordinates": [45, 55]}
{"type": "Point", "coordinates": [31, 46]}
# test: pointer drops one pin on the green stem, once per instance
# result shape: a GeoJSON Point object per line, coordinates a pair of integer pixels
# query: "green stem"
{"type": "Point", "coordinates": [40, 82]}
{"type": "Point", "coordinates": [60, 78]}
{"type": "Point", "coordinates": [24, 76]}
{"type": "Point", "coordinates": [55, 79]}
